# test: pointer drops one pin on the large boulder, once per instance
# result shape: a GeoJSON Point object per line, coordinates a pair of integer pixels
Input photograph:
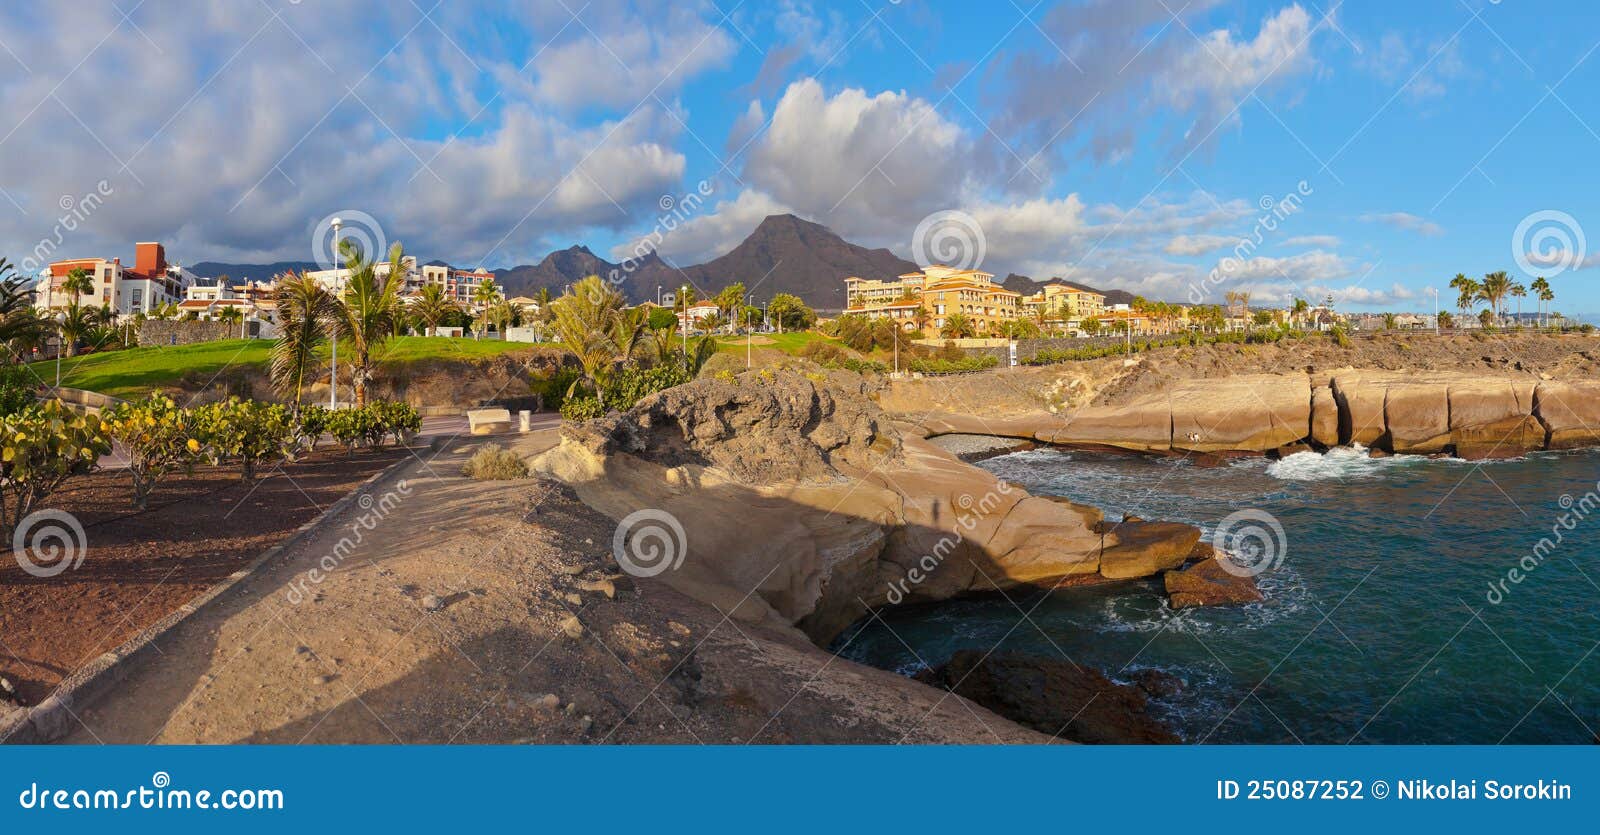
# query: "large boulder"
{"type": "Point", "coordinates": [1145, 424]}
{"type": "Point", "coordinates": [1208, 583]}
{"type": "Point", "coordinates": [1493, 419]}
{"type": "Point", "coordinates": [1052, 696]}
{"type": "Point", "coordinates": [1361, 397]}
{"type": "Point", "coordinates": [1324, 417]}
{"type": "Point", "coordinates": [1416, 415]}
{"type": "Point", "coordinates": [1145, 549]}
{"type": "Point", "coordinates": [1254, 412]}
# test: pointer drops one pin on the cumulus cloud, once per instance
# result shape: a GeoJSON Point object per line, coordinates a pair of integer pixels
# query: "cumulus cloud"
{"type": "Point", "coordinates": [1198, 244]}
{"type": "Point", "coordinates": [1406, 221]}
{"type": "Point", "coordinates": [1317, 241]}
{"type": "Point", "coordinates": [254, 121]}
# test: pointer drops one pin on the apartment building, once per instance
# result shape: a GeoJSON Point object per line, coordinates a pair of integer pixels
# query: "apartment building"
{"type": "Point", "coordinates": [1064, 303]}
{"type": "Point", "coordinates": [458, 285]}
{"type": "Point", "coordinates": [928, 299]}
{"type": "Point", "coordinates": [126, 290]}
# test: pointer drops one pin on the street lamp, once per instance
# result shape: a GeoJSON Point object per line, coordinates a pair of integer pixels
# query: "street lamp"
{"type": "Point", "coordinates": [61, 319]}
{"type": "Point", "coordinates": [683, 296]}
{"type": "Point", "coordinates": [333, 338]}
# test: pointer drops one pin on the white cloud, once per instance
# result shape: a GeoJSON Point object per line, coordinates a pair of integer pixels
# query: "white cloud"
{"type": "Point", "coordinates": [1198, 244]}
{"type": "Point", "coordinates": [1406, 221]}
{"type": "Point", "coordinates": [1316, 241]}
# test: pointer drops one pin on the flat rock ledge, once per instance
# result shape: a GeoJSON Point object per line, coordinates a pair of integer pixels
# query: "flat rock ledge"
{"type": "Point", "coordinates": [1472, 416]}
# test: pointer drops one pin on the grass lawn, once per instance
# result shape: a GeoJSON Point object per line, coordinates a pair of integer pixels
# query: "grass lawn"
{"type": "Point", "coordinates": [789, 343]}
{"type": "Point", "coordinates": [135, 371]}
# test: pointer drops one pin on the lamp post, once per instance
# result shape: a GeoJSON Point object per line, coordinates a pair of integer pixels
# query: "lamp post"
{"type": "Point", "coordinates": [748, 332]}
{"type": "Point", "coordinates": [1434, 291]}
{"type": "Point", "coordinates": [61, 319]}
{"type": "Point", "coordinates": [333, 338]}
{"type": "Point", "coordinates": [683, 296]}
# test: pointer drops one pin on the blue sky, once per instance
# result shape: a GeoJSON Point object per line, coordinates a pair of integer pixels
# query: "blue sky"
{"type": "Point", "coordinates": [1129, 144]}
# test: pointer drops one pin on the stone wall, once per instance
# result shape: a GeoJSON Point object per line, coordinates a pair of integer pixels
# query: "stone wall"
{"type": "Point", "coordinates": [162, 333]}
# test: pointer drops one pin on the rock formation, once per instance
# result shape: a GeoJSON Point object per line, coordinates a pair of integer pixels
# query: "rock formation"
{"type": "Point", "coordinates": [1470, 415]}
{"type": "Point", "coordinates": [801, 505]}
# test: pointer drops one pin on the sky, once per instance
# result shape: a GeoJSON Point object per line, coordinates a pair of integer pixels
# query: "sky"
{"type": "Point", "coordinates": [1367, 151]}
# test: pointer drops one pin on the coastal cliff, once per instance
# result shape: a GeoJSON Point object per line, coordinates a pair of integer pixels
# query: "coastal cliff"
{"type": "Point", "coordinates": [803, 506]}
{"type": "Point", "coordinates": [1470, 415]}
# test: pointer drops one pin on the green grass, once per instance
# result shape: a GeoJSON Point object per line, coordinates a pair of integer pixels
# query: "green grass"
{"type": "Point", "coordinates": [789, 343]}
{"type": "Point", "coordinates": [136, 371]}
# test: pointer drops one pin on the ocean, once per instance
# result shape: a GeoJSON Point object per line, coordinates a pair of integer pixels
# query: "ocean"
{"type": "Point", "coordinates": [1410, 600]}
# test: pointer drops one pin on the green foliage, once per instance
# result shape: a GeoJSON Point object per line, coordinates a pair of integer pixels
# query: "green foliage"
{"type": "Point", "coordinates": [581, 408]}
{"type": "Point", "coordinates": [790, 313]}
{"type": "Point", "coordinates": [552, 388]}
{"type": "Point", "coordinates": [494, 463]}
{"type": "Point", "coordinates": [17, 388]}
{"type": "Point", "coordinates": [370, 425]}
{"type": "Point", "coordinates": [40, 448]}
{"type": "Point", "coordinates": [1337, 334]}
{"type": "Point", "coordinates": [955, 366]}
{"type": "Point", "coordinates": [630, 383]}
{"type": "Point", "coordinates": [247, 431]}
{"type": "Point", "coordinates": [662, 318]}
{"type": "Point", "coordinates": [159, 438]}
{"type": "Point", "coordinates": [351, 426]}
{"type": "Point", "coordinates": [309, 425]}
{"type": "Point", "coordinates": [398, 420]}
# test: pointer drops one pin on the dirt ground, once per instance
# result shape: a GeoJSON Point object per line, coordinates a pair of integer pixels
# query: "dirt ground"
{"type": "Point", "coordinates": [492, 612]}
{"type": "Point", "coordinates": [139, 567]}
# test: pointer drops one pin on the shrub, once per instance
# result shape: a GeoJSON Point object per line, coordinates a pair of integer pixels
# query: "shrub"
{"type": "Point", "coordinates": [309, 425]}
{"type": "Point", "coordinates": [18, 386]}
{"type": "Point", "coordinates": [493, 463]}
{"type": "Point", "coordinates": [350, 426]}
{"type": "Point", "coordinates": [248, 431]}
{"type": "Point", "coordinates": [397, 419]}
{"type": "Point", "coordinates": [158, 437]}
{"type": "Point", "coordinates": [40, 449]}
{"type": "Point", "coordinates": [629, 384]}
{"type": "Point", "coordinates": [948, 366]}
{"type": "Point", "coordinates": [553, 387]}
{"type": "Point", "coordinates": [580, 409]}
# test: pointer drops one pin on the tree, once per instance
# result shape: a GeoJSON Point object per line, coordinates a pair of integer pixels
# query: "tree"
{"type": "Point", "coordinates": [1486, 318]}
{"type": "Point", "coordinates": [729, 299]}
{"type": "Point", "coordinates": [1446, 320]}
{"type": "Point", "coordinates": [366, 315]}
{"type": "Point", "coordinates": [485, 293]}
{"type": "Point", "coordinates": [662, 319]}
{"type": "Point", "coordinates": [957, 326]}
{"type": "Point", "coordinates": [791, 313]}
{"type": "Point", "coordinates": [1389, 321]}
{"type": "Point", "coordinates": [1494, 289]}
{"type": "Point", "coordinates": [500, 314]}
{"type": "Point", "coordinates": [543, 299]}
{"type": "Point", "coordinates": [432, 307]}
{"type": "Point", "coordinates": [1466, 292]}
{"type": "Point", "coordinates": [158, 437]}
{"type": "Point", "coordinates": [1297, 311]}
{"type": "Point", "coordinates": [1541, 286]}
{"type": "Point", "coordinates": [20, 326]}
{"type": "Point", "coordinates": [76, 285]}
{"type": "Point", "coordinates": [44, 446]}
{"type": "Point", "coordinates": [1090, 326]}
{"type": "Point", "coordinates": [231, 315]}
{"type": "Point", "coordinates": [1518, 292]}
{"type": "Point", "coordinates": [304, 307]}
{"type": "Point", "coordinates": [586, 324]}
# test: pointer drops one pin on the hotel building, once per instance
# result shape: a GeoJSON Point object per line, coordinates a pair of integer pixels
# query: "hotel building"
{"type": "Point", "coordinates": [934, 295]}
{"type": "Point", "coordinates": [126, 290]}
{"type": "Point", "coordinates": [1063, 303]}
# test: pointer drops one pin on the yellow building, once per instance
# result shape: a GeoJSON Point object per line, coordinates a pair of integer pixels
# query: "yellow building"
{"type": "Point", "coordinates": [1062, 303]}
{"type": "Point", "coordinates": [933, 296]}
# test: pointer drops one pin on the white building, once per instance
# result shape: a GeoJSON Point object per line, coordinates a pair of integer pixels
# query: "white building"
{"type": "Point", "coordinates": [126, 290]}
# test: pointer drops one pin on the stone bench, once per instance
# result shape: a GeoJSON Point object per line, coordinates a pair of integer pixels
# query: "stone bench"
{"type": "Point", "coordinates": [486, 421]}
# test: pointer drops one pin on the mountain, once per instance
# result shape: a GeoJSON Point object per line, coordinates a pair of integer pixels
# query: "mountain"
{"type": "Point", "coordinates": [783, 255]}
{"type": "Point", "coordinates": [250, 272]}
{"type": "Point", "coordinates": [1027, 286]}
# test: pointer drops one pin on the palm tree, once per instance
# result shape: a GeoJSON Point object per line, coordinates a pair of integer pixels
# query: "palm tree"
{"type": "Point", "coordinates": [1517, 292]}
{"type": "Point", "coordinates": [366, 315]}
{"type": "Point", "coordinates": [1493, 290]}
{"type": "Point", "coordinates": [1466, 292]}
{"type": "Point", "coordinates": [303, 307]}
{"type": "Point", "coordinates": [1541, 289]}
{"type": "Point", "coordinates": [19, 322]}
{"type": "Point", "coordinates": [957, 326]}
{"type": "Point", "coordinates": [1298, 311]}
{"type": "Point", "coordinates": [76, 285]}
{"type": "Point", "coordinates": [432, 307]}
{"type": "Point", "coordinates": [543, 299]}
{"type": "Point", "coordinates": [586, 323]}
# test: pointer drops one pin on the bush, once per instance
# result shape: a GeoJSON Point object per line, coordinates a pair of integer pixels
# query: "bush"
{"type": "Point", "coordinates": [399, 420]}
{"type": "Point", "coordinates": [41, 448]}
{"type": "Point", "coordinates": [552, 388]}
{"type": "Point", "coordinates": [248, 431]}
{"type": "Point", "coordinates": [309, 425]}
{"type": "Point", "coordinates": [629, 384]}
{"type": "Point", "coordinates": [493, 463]}
{"type": "Point", "coordinates": [350, 426]}
{"type": "Point", "coordinates": [18, 387]}
{"type": "Point", "coordinates": [580, 409]}
{"type": "Point", "coordinates": [158, 437]}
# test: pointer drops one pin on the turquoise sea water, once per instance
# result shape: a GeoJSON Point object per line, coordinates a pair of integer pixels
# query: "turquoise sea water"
{"type": "Point", "coordinates": [1377, 625]}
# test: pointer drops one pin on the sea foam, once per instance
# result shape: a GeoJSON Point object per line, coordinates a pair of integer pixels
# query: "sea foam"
{"type": "Point", "coordinates": [1337, 464]}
